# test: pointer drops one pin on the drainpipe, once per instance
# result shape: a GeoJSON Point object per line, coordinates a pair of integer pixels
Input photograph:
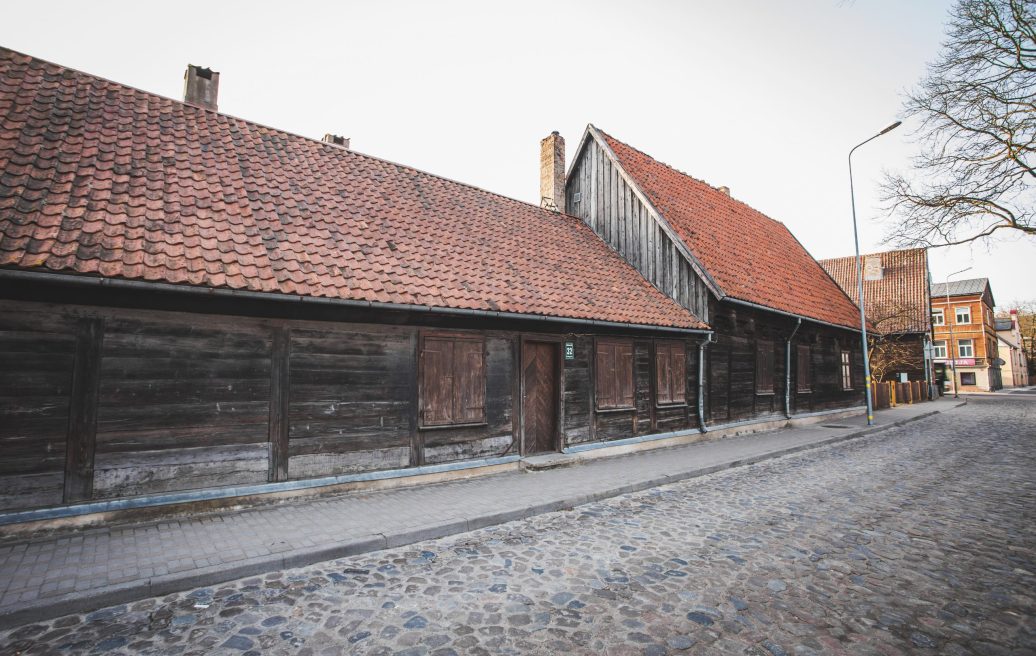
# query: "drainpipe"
{"type": "Point", "coordinates": [701, 382]}
{"type": "Point", "coordinates": [787, 370]}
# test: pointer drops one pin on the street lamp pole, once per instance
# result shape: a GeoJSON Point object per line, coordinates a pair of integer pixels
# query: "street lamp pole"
{"type": "Point", "coordinates": [859, 279]}
{"type": "Point", "coordinates": [946, 317]}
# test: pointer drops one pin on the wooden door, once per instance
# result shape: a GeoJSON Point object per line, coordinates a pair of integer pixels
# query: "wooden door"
{"type": "Point", "coordinates": [540, 396]}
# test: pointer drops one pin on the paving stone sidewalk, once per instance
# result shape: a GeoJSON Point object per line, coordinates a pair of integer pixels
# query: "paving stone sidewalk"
{"type": "Point", "coordinates": [48, 577]}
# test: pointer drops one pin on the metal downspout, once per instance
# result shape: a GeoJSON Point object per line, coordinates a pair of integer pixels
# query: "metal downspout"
{"type": "Point", "coordinates": [787, 370]}
{"type": "Point", "coordinates": [701, 382]}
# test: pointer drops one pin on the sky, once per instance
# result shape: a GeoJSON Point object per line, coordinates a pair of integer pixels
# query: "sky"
{"type": "Point", "coordinates": [766, 97]}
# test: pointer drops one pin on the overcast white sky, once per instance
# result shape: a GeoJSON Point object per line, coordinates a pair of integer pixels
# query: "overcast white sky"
{"type": "Point", "coordinates": [764, 96]}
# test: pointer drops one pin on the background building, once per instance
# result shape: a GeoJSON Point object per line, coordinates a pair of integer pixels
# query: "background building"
{"type": "Point", "coordinates": [1015, 370]}
{"type": "Point", "coordinates": [896, 295]}
{"type": "Point", "coordinates": [963, 331]}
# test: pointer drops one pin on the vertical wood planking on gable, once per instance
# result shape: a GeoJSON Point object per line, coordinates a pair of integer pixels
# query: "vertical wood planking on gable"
{"type": "Point", "coordinates": [82, 414]}
{"type": "Point", "coordinates": [615, 212]}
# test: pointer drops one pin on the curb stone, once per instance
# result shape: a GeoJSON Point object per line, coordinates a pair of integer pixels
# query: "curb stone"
{"type": "Point", "coordinates": [213, 575]}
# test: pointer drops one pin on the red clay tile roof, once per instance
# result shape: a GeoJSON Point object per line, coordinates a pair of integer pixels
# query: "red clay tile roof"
{"type": "Point", "coordinates": [750, 256]}
{"type": "Point", "coordinates": [899, 302]}
{"type": "Point", "coordinates": [97, 178]}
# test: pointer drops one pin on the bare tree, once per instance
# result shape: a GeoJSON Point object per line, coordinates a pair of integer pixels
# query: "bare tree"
{"type": "Point", "coordinates": [977, 135]}
{"type": "Point", "coordinates": [894, 345]}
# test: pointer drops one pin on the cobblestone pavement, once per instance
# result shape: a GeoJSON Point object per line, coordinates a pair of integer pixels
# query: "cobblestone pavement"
{"type": "Point", "coordinates": [920, 539]}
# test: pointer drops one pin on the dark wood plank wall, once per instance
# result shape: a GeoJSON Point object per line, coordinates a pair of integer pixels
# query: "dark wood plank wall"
{"type": "Point", "coordinates": [37, 352]}
{"type": "Point", "coordinates": [183, 404]}
{"type": "Point", "coordinates": [730, 361]}
{"type": "Point", "coordinates": [614, 211]}
{"type": "Point", "coordinates": [584, 423]}
{"type": "Point", "coordinates": [349, 406]}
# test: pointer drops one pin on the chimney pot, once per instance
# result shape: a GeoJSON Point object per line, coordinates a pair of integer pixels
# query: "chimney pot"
{"type": "Point", "coordinates": [336, 140]}
{"type": "Point", "coordinates": [200, 87]}
{"type": "Point", "coordinates": [552, 172]}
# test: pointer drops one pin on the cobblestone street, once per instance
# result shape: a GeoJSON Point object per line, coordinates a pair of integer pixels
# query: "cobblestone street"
{"type": "Point", "coordinates": [919, 539]}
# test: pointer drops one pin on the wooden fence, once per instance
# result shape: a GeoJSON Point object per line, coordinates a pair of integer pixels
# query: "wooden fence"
{"type": "Point", "coordinates": [891, 394]}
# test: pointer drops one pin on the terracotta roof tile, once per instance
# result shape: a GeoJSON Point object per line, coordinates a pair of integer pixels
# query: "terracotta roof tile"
{"type": "Point", "coordinates": [750, 256]}
{"type": "Point", "coordinates": [153, 189]}
{"type": "Point", "coordinates": [899, 302]}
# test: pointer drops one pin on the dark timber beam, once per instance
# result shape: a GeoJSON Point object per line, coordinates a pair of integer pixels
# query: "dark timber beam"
{"type": "Point", "coordinates": [279, 387]}
{"type": "Point", "coordinates": [82, 414]}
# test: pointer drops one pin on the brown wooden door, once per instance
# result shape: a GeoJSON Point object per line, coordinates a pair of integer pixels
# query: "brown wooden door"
{"type": "Point", "coordinates": [540, 396]}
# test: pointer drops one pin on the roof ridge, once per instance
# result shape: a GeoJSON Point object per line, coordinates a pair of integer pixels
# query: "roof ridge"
{"type": "Point", "coordinates": [281, 131]}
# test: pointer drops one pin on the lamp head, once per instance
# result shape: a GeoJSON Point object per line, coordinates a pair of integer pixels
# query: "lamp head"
{"type": "Point", "coordinates": [891, 127]}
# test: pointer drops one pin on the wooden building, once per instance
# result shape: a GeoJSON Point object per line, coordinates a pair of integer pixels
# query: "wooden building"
{"type": "Point", "coordinates": [964, 335]}
{"type": "Point", "coordinates": [896, 291]}
{"type": "Point", "coordinates": [194, 306]}
{"type": "Point", "coordinates": [785, 337]}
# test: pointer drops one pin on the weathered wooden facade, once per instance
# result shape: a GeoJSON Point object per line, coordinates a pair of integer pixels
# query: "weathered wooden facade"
{"type": "Point", "coordinates": [103, 396]}
{"type": "Point", "coordinates": [195, 307]}
{"type": "Point", "coordinates": [784, 339]}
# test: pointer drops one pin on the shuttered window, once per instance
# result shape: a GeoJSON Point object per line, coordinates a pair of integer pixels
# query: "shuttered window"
{"type": "Point", "coordinates": [670, 373]}
{"type": "Point", "coordinates": [614, 374]}
{"type": "Point", "coordinates": [453, 380]}
{"type": "Point", "coordinates": [803, 369]}
{"type": "Point", "coordinates": [847, 370]}
{"type": "Point", "coordinates": [764, 367]}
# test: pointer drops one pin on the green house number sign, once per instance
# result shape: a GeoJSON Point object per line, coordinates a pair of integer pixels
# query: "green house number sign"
{"type": "Point", "coordinates": [570, 350]}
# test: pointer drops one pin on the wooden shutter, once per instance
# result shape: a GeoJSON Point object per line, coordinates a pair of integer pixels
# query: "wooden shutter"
{"type": "Point", "coordinates": [764, 366]}
{"type": "Point", "coordinates": [614, 375]}
{"type": "Point", "coordinates": [436, 382]}
{"type": "Point", "coordinates": [803, 377]}
{"type": "Point", "coordinates": [469, 386]}
{"type": "Point", "coordinates": [678, 372]}
{"type": "Point", "coordinates": [605, 375]}
{"type": "Point", "coordinates": [663, 390]}
{"type": "Point", "coordinates": [624, 371]}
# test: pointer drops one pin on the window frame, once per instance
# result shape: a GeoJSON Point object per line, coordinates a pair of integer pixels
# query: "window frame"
{"type": "Point", "coordinates": [803, 383]}
{"type": "Point", "coordinates": [957, 312]}
{"type": "Point", "coordinates": [970, 344]}
{"type": "Point", "coordinates": [456, 391]}
{"type": "Point", "coordinates": [619, 347]}
{"type": "Point", "coordinates": [936, 345]}
{"type": "Point", "coordinates": [765, 366]}
{"type": "Point", "coordinates": [666, 346]}
{"type": "Point", "coordinates": [846, 369]}
{"type": "Point", "coordinates": [941, 314]}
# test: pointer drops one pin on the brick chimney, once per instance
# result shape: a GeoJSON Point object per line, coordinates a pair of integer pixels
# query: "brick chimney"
{"type": "Point", "coordinates": [200, 87]}
{"type": "Point", "coordinates": [336, 140]}
{"type": "Point", "coordinates": [552, 172]}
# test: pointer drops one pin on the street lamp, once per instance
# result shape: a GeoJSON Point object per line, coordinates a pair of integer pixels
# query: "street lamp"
{"type": "Point", "coordinates": [859, 278]}
{"type": "Point", "coordinates": [949, 346]}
